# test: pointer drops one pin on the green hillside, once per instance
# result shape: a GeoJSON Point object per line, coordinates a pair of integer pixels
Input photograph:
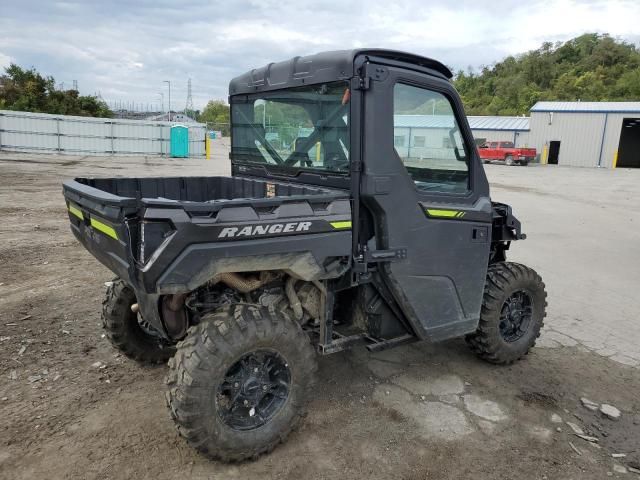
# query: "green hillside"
{"type": "Point", "coordinates": [591, 67]}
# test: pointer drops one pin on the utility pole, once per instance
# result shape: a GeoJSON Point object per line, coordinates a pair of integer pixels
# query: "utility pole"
{"type": "Point", "coordinates": [162, 97]}
{"type": "Point", "coordinates": [169, 83]}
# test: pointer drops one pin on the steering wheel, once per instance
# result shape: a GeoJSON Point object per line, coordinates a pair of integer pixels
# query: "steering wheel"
{"type": "Point", "coordinates": [302, 158]}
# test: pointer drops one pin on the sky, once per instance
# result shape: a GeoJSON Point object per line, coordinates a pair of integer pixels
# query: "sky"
{"type": "Point", "coordinates": [125, 49]}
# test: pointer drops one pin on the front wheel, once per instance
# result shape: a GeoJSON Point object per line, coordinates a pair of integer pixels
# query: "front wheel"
{"type": "Point", "coordinates": [512, 314]}
{"type": "Point", "coordinates": [240, 381]}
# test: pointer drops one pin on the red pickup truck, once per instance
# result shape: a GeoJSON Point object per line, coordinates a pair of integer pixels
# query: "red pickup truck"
{"type": "Point", "coordinates": [506, 152]}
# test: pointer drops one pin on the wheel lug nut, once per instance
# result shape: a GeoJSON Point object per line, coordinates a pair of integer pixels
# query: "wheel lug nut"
{"type": "Point", "coordinates": [236, 385]}
{"type": "Point", "coordinates": [264, 387]}
{"type": "Point", "coordinates": [246, 402]}
{"type": "Point", "coordinates": [255, 369]}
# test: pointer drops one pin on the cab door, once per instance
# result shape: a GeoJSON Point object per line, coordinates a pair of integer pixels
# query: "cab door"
{"type": "Point", "coordinates": [424, 185]}
{"type": "Point", "coordinates": [492, 151]}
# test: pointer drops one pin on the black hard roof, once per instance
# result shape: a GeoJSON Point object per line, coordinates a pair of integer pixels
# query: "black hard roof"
{"type": "Point", "coordinates": [322, 67]}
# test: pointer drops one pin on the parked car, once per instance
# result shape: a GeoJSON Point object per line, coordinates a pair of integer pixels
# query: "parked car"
{"type": "Point", "coordinates": [506, 152]}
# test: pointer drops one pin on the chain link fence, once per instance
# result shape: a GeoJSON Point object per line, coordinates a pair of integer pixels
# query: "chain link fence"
{"type": "Point", "coordinates": [220, 129]}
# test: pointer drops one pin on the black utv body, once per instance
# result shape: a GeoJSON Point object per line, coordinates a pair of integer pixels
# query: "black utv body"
{"type": "Point", "coordinates": [340, 225]}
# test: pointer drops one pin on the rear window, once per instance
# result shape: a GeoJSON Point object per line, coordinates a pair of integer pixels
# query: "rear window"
{"type": "Point", "coordinates": [297, 128]}
{"type": "Point", "coordinates": [507, 145]}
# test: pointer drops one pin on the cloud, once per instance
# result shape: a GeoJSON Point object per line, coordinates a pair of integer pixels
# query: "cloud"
{"type": "Point", "coordinates": [125, 50]}
{"type": "Point", "coordinates": [5, 60]}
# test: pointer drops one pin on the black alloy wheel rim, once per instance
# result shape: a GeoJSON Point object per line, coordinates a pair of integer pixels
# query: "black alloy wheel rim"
{"type": "Point", "coordinates": [254, 390]}
{"type": "Point", "coordinates": [515, 316]}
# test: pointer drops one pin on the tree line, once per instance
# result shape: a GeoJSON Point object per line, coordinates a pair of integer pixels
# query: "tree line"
{"type": "Point", "coordinates": [591, 67]}
{"type": "Point", "coordinates": [27, 90]}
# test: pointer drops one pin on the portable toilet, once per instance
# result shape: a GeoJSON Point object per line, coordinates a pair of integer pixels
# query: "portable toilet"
{"type": "Point", "coordinates": [179, 141]}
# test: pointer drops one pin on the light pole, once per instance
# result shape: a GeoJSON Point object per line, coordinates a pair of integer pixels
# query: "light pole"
{"type": "Point", "coordinates": [169, 83]}
{"type": "Point", "coordinates": [162, 97]}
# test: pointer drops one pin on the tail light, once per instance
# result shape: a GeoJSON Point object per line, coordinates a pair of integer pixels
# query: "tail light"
{"type": "Point", "coordinates": [152, 235]}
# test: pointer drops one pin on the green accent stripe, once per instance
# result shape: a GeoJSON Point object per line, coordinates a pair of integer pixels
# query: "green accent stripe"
{"type": "Point", "coordinates": [433, 212]}
{"type": "Point", "coordinates": [104, 228]}
{"type": "Point", "coordinates": [76, 211]}
{"type": "Point", "coordinates": [341, 225]}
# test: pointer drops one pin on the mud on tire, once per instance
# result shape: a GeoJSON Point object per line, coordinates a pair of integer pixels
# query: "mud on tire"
{"type": "Point", "coordinates": [206, 363]}
{"type": "Point", "coordinates": [123, 330]}
{"type": "Point", "coordinates": [512, 314]}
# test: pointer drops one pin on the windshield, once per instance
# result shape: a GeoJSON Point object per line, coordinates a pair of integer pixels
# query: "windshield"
{"type": "Point", "coordinates": [304, 128]}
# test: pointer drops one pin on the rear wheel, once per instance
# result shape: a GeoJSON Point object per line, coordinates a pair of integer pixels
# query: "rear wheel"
{"type": "Point", "coordinates": [508, 160]}
{"type": "Point", "coordinates": [240, 380]}
{"type": "Point", "coordinates": [513, 311]}
{"type": "Point", "coordinates": [126, 331]}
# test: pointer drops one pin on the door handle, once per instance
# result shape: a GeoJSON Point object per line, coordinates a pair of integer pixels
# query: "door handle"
{"type": "Point", "coordinates": [480, 234]}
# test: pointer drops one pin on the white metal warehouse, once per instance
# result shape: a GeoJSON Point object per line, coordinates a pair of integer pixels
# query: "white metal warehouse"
{"type": "Point", "coordinates": [501, 129]}
{"type": "Point", "coordinates": [587, 134]}
{"type": "Point", "coordinates": [422, 135]}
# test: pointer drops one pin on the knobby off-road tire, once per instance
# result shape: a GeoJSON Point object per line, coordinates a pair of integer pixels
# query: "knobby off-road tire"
{"type": "Point", "coordinates": [204, 372]}
{"type": "Point", "coordinates": [512, 292]}
{"type": "Point", "coordinates": [123, 330]}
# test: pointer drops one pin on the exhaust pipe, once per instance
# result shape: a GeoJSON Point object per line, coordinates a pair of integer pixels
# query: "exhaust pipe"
{"type": "Point", "coordinates": [240, 283]}
{"type": "Point", "coordinates": [174, 315]}
{"type": "Point", "coordinates": [294, 300]}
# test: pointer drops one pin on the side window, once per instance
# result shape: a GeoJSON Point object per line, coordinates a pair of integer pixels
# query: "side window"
{"type": "Point", "coordinates": [436, 157]}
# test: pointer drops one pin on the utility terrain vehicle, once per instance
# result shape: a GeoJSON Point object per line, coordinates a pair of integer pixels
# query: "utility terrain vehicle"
{"type": "Point", "coordinates": [339, 227]}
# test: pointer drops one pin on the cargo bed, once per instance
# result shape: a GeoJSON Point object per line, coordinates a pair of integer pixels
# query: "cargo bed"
{"type": "Point", "coordinates": [167, 235]}
{"type": "Point", "coordinates": [197, 189]}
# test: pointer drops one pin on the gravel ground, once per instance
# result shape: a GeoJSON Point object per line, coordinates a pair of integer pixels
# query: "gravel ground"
{"type": "Point", "coordinates": [416, 412]}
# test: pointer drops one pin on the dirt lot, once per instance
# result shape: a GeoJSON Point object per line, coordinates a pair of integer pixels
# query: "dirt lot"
{"type": "Point", "coordinates": [416, 412]}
